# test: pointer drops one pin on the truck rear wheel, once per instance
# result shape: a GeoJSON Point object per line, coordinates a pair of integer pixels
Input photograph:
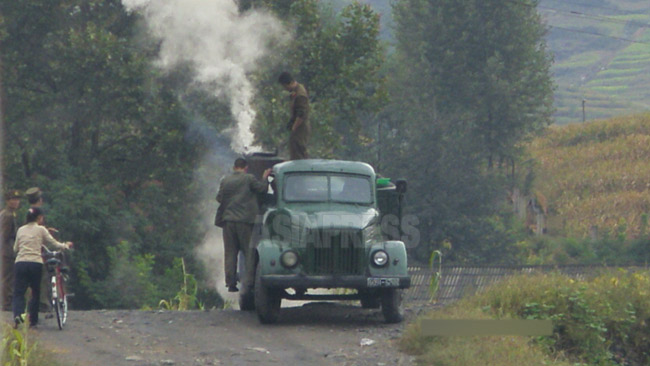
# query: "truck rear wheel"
{"type": "Point", "coordinates": [247, 300]}
{"type": "Point", "coordinates": [391, 305]}
{"type": "Point", "coordinates": [267, 300]}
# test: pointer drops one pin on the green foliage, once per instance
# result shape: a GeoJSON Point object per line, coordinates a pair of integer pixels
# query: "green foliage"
{"type": "Point", "coordinates": [608, 250]}
{"type": "Point", "coordinates": [130, 283]}
{"type": "Point", "coordinates": [19, 349]}
{"type": "Point", "coordinates": [600, 321]}
{"type": "Point", "coordinates": [435, 277]}
{"type": "Point", "coordinates": [16, 346]}
{"type": "Point", "coordinates": [472, 351]}
{"type": "Point", "coordinates": [186, 298]}
{"type": "Point", "coordinates": [470, 82]}
{"type": "Point", "coordinates": [106, 136]}
{"type": "Point", "coordinates": [338, 58]}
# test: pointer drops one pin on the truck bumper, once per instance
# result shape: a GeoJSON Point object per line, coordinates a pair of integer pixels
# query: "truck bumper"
{"type": "Point", "coordinates": [333, 281]}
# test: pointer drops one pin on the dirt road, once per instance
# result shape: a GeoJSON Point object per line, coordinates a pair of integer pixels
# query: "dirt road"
{"type": "Point", "coordinates": [312, 334]}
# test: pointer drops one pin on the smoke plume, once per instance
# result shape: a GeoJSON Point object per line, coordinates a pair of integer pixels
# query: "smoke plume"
{"type": "Point", "coordinates": [223, 45]}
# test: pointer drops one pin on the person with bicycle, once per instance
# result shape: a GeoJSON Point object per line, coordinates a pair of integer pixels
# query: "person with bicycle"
{"type": "Point", "coordinates": [29, 263]}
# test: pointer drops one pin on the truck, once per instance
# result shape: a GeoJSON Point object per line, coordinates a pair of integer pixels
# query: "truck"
{"type": "Point", "coordinates": [327, 224]}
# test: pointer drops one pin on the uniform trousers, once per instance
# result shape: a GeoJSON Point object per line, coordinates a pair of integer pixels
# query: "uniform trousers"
{"type": "Point", "coordinates": [7, 285]}
{"type": "Point", "coordinates": [236, 237]}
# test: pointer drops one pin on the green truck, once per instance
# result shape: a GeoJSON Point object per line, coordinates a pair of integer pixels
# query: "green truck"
{"type": "Point", "coordinates": [329, 224]}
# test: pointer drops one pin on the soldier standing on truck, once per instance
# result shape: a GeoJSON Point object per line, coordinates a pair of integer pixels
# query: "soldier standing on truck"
{"type": "Point", "coordinates": [238, 196]}
{"type": "Point", "coordinates": [299, 121]}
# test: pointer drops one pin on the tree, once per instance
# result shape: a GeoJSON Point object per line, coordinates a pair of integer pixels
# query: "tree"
{"type": "Point", "coordinates": [338, 58]}
{"type": "Point", "coordinates": [471, 83]}
{"type": "Point", "coordinates": [104, 134]}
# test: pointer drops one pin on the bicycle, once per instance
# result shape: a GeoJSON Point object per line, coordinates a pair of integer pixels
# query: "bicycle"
{"type": "Point", "coordinates": [58, 278]}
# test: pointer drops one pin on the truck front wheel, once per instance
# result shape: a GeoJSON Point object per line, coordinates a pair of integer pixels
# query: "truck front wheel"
{"type": "Point", "coordinates": [369, 299]}
{"type": "Point", "coordinates": [391, 305]}
{"type": "Point", "coordinates": [267, 300]}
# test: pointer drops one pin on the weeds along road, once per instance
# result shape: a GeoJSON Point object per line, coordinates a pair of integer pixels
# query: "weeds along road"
{"type": "Point", "coordinates": [312, 334]}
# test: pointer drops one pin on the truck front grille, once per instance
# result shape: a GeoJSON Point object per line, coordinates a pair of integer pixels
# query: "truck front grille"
{"type": "Point", "coordinates": [335, 252]}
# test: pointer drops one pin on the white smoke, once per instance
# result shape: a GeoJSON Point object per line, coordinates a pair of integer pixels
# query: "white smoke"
{"type": "Point", "coordinates": [223, 45]}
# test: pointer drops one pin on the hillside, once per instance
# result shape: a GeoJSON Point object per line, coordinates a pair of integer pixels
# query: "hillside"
{"type": "Point", "coordinates": [595, 174]}
{"type": "Point", "coordinates": [602, 56]}
{"type": "Point", "coordinates": [601, 50]}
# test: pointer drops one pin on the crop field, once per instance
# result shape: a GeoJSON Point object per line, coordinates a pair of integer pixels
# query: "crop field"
{"type": "Point", "coordinates": [596, 175]}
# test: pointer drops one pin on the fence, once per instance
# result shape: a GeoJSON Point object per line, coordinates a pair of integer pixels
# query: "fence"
{"type": "Point", "coordinates": [459, 281]}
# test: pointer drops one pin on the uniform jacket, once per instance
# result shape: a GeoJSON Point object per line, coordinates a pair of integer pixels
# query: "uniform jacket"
{"type": "Point", "coordinates": [9, 226]}
{"type": "Point", "coordinates": [299, 107]}
{"type": "Point", "coordinates": [238, 194]}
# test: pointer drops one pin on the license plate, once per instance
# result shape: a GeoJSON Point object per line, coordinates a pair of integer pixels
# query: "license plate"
{"type": "Point", "coordinates": [383, 282]}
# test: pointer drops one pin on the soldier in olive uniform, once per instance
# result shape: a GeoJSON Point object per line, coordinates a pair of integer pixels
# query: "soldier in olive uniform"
{"type": "Point", "coordinates": [299, 122]}
{"type": "Point", "coordinates": [238, 196]}
{"type": "Point", "coordinates": [9, 226]}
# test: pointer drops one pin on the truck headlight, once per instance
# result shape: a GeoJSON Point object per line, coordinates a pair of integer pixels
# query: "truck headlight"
{"type": "Point", "coordinates": [289, 259]}
{"type": "Point", "coordinates": [380, 258]}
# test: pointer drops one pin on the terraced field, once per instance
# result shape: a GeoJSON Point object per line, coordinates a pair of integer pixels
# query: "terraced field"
{"type": "Point", "coordinates": [601, 50]}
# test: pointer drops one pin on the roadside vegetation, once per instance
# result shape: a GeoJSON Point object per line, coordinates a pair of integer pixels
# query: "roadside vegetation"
{"type": "Point", "coordinates": [20, 348]}
{"type": "Point", "coordinates": [599, 321]}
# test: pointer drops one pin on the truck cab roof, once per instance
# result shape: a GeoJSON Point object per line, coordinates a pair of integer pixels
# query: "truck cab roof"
{"type": "Point", "coordinates": [325, 166]}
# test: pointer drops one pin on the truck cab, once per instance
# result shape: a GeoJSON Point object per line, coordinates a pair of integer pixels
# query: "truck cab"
{"type": "Point", "coordinates": [322, 228]}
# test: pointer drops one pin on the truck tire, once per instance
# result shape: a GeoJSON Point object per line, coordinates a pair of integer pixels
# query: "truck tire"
{"type": "Point", "coordinates": [369, 300]}
{"type": "Point", "coordinates": [267, 300]}
{"type": "Point", "coordinates": [391, 305]}
{"type": "Point", "coordinates": [247, 300]}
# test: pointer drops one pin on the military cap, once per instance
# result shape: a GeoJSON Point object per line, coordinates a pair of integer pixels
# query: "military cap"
{"type": "Point", "coordinates": [33, 193]}
{"type": "Point", "coordinates": [13, 193]}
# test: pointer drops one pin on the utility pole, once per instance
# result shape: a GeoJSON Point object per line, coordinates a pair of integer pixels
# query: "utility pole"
{"type": "Point", "coordinates": [583, 110]}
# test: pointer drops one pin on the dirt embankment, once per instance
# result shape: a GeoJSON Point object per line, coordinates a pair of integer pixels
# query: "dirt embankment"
{"type": "Point", "coordinates": [312, 334]}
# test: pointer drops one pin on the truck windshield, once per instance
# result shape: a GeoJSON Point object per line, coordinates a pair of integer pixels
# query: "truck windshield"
{"type": "Point", "coordinates": [326, 188]}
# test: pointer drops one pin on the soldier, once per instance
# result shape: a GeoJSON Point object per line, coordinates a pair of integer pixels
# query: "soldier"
{"type": "Point", "coordinates": [9, 228]}
{"type": "Point", "coordinates": [238, 196]}
{"type": "Point", "coordinates": [299, 122]}
{"type": "Point", "coordinates": [34, 197]}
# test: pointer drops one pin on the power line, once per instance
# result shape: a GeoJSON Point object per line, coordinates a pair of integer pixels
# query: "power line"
{"type": "Point", "coordinates": [575, 13]}
{"type": "Point", "coordinates": [599, 18]}
{"type": "Point", "coordinates": [596, 7]}
{"type": "Point", "coordinates": [599, 34]}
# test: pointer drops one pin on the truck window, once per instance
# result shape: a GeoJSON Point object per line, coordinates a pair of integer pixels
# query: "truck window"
{"type": "Point", "coordinates": [306, 188]}
{"type": "Point", "coordinates": [351, 189]}
{"type": "Point", "coordinates": [324, 188]}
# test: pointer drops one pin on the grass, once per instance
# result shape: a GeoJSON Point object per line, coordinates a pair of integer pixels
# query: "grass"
{"type": "Point", "coordinates": [472, 351]}
{"type": "Point", "coordinates": [600, 321]}
{"type": "Point", "coordinates": [19, 348]}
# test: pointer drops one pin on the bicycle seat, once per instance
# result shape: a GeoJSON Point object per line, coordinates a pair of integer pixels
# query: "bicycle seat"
{"type": "Point", "coordinates": [53, 261]}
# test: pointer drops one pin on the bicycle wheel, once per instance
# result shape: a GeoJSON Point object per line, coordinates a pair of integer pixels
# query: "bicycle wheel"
{"type": "Point", "coordinates": [60, 305]}
{"type": "Point", "coordinates": [61, 311]}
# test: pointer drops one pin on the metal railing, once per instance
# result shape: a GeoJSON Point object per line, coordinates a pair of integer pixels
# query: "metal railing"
{"type": "Point", "coordinates": [457, 281]}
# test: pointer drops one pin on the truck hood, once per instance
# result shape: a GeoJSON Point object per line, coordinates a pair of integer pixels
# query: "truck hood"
{"type": "Point", "coordinates": [354, 218]}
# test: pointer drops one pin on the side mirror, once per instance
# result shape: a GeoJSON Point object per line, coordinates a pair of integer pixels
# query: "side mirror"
{"type": "Point", "coordinates": [400, 186]}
